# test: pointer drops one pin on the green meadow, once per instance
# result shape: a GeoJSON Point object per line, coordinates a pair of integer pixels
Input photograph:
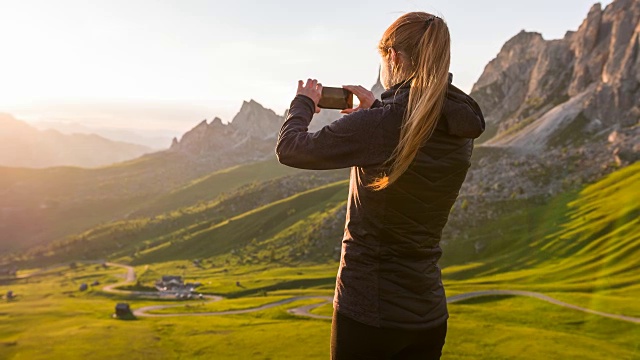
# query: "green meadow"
{"type": "Point", "coordinates": [581, 248]}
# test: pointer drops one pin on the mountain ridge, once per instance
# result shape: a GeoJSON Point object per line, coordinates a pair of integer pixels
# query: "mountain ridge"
{"type": "Point", "coordinates": [26, 146]}
{"type": "Point", "coordinates": [535, 87]}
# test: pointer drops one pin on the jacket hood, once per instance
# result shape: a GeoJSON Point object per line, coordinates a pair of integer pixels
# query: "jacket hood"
{"type": "Point", "coordinates": [461, 113]}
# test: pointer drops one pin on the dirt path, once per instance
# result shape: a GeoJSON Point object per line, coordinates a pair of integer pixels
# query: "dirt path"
{"type": "Point", "coordinates": [306, 309]}
{"type": "Point", "coordinates": [540, 296]}
{"type": "Point", "coordinates": [144, 311]}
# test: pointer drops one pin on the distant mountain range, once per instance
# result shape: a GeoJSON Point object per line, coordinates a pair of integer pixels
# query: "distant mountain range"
{"type": "Point", "coordinates": [154, 139]}
{"type": "Point", "coordinates": [25, 146]}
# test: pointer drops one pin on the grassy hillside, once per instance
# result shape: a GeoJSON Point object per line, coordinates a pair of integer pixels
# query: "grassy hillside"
{"type": "Point", "coordinates": [132, 237]}
{"type": "Point", "coordinates": [274, 232]}
{"type": "Point", "coordinates": [590, 257]}
{"type": "Point", "coordinates": [210, 186]}
{"type": "Point", "coordinates": [50, 204]}
{"type": "Point", "coordinates": [581, 248]}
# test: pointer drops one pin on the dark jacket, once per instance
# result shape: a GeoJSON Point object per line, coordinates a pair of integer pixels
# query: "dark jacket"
{"type": "Point", "coordinates": [388, 275]}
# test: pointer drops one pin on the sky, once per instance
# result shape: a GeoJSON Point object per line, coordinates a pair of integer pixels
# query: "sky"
{"type": "Point", "coordinates": [168, 64]}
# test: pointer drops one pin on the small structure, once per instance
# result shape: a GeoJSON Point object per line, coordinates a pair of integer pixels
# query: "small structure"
{"type": "Point", "coordinates": [123, 311]}
{"type": "Point", "coordinates": [170, 283]}
{"type": "Point", "coordinates": [83, 287]}
{"type": "Point", "coordinates": [10, 295]}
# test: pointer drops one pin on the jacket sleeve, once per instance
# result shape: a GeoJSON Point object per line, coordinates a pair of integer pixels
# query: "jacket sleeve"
{"type": "Point", "coordinates": [344, 143]}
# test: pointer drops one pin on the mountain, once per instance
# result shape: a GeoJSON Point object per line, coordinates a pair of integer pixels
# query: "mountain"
{"type": "Point", "coordinates": [154, 139]}
{"type": "Point", "coordinates": [250, 135]}
{"type": "Point", "coordinates": [541, 93]}
{"type": "Point", "coordinates": [560, 113]}
{"type": "Point", "coordinates": [377, 88]}
{"type": "Point", "coordinates": [25, 146]}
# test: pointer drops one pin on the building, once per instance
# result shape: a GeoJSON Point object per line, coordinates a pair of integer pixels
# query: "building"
{"type": "Point", "coordinates": [170, 283]}
{"type": "Point", "coordinates": [175, 284]}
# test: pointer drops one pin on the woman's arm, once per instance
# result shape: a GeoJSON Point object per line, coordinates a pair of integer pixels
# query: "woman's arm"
{"type": "Point", "coordinates": [348, 141]}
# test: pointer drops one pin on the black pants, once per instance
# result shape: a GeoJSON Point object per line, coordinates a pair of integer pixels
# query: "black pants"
{"type": "Point", "coordinates": [351, 339]}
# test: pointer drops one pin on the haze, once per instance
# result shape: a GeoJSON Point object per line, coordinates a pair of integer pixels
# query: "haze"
{"type": "Point", "coordinates": [169, 64]}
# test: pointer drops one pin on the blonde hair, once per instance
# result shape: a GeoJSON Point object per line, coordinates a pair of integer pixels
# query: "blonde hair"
{"type": "Point", "coordinates": [425, 42]}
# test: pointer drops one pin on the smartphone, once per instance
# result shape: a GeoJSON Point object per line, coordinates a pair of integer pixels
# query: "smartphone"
{"type": "Point", "coordinates": [336, 98]}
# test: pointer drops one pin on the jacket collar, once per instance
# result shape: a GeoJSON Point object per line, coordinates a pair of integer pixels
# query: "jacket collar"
{"type": "Point", "coordinates": [461, 113]}
{"type": "Point", "coordinates": [399, 93]}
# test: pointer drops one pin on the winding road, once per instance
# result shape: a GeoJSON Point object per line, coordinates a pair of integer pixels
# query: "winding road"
{"type": "Point", "coordinates": [306, 309]}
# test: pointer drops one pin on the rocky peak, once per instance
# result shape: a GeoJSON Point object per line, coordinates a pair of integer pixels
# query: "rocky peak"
{"type": "Point", "coordinates": [377, 88]}
{"type": "Point", "coordinates": [587, 68]}
{"type": "Point", "coordinates": [216, 122]}
{"type": "Point", "coordinates": [251, 131]}
{"type": "Point", "coordinates": [202, 126]}
{"type": "Point", "coordinates": [516, 54]}
{"type": "Point", "coordinates": [503, 86]}
{"type": "Point", "coordinates": [256, 121]}
{"type": "Point", "coordinates": [536, 88]}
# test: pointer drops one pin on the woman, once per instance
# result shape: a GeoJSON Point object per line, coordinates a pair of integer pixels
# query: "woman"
{"type": "Point", "coordinates": [409, 154]}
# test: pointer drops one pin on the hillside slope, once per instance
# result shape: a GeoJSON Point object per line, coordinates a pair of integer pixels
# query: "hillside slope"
{"type": "Point", "coordinates": [210, 201]}
{"type": "Point", "coordinates": [587, 242]}
{"type": "Point", "coordinates": [44, 205]}
{"type": "Point", "coordinates": [282, 231]}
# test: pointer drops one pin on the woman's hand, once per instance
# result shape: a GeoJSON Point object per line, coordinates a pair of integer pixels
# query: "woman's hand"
{"type": "Point", "coordinates": [365, 97]}
{"type": "Point", "coordinates": [312, 89]}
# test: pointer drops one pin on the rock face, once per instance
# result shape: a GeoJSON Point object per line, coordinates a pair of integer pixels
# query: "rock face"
{"type": "Point", "coordinates": [538, 93]}
{"type": "Point", "coordinates": [251, 135]}
{"type": "Point", "coordinates": [560, 114]}
{"type": "Point", "coordinates": [377, 88]}
{"type": "Point", "coordinates": [253, 120]}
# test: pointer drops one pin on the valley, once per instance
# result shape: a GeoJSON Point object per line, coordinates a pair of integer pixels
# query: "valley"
{"type": "Point", "coordinates": [264, 299]}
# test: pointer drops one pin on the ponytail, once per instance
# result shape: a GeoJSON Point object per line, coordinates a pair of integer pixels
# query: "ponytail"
{"type": "Point", "coordinates": [429, 74]}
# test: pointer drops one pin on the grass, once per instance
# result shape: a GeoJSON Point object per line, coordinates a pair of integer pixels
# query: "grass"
{"type": "Point", "coordinates": [584, 249]}
{"type": "Point", "coordinates": [581, 248]}
{"type": "Point", "coordinates": [141, 235]}
{"type": "Point", "coordinates": [255, 227]}
{"type": "Point", "coordinates": [200, 306]}
{"type": "Point", "coordinates": [54, 203]}
{"type": "Point", "coordinates": [523, 328]}
{"type": "Point", "coordinates": [253, 279]}
{"type": "Point", "coordinates": [209, 187]}
{"type": "Point", "coordinates": [49, 323]}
